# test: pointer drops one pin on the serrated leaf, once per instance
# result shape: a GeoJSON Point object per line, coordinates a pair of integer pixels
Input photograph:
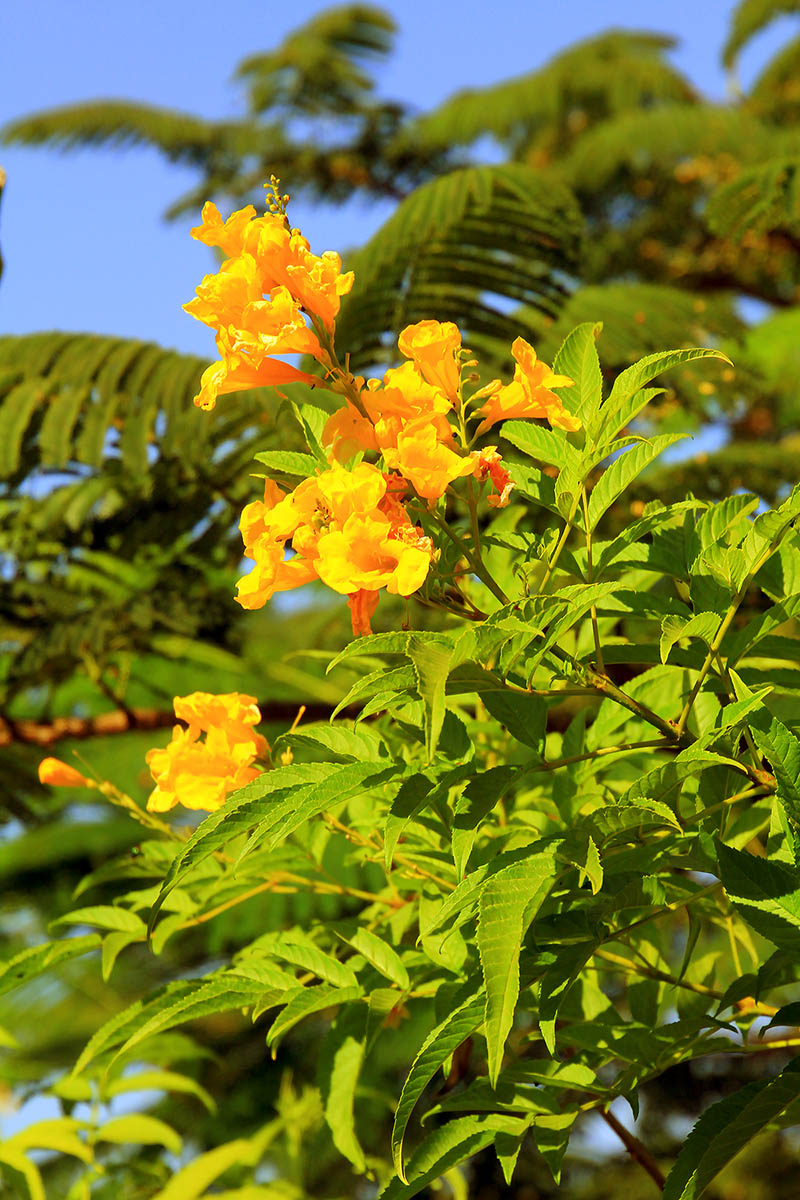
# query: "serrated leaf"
{"type": "Point", "coordinates": [540, 443]}
{"type": "Point", "coordinates": [622, 472]}
{"type": "Point", "coordinates": [289, 462]}
{"type": "Point", "coordinates": [725, 1128]}
{"type": "Point", "coordinates": [440, 1043]}
{"type": "Point", "coordinates": [524, 716]}
{"type": "Point", "coordinates": [431, 662]}
{"type": "Point", "coordinates": [766, 893]}
{"type": "Point", "coordinates": [34, 961]}
{"type": "Point", "coordinates": [629, 381]}
{"type": "Point", "coordinates": [507, 905]}
{"type": "Point", "coordinates": [577, 358]}
{"type": "Point", "coordinates": [167, 1081]}
{"type": "Point", "coordinates": [383, 957]}
{"type": "Point", "coordinates": [701, 625]}
{"type": "Point", "coordinates": [105, 916]}
{"type": "Point", "coordinates": [303, 1002]}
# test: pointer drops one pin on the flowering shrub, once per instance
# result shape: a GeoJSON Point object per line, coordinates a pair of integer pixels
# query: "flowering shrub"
{"type": "Point", "coordinates": [561, 827]}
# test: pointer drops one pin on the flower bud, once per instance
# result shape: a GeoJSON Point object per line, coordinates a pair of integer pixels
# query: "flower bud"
{"type": "Point", "coordinates": [61, 774]}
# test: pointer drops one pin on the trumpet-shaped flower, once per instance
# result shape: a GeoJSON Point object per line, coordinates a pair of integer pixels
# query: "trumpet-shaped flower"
{"type": "Point", "coordinates": [236, 372]}
{"type": "Point", "coordinates": [424, 461]}
{"type": "Point", "coordinates": [529, 394]}
{"type": "Point", "coordinates": [434, 347]}
{"type": "Point", "coordinates": [200, 774]}
{"type": "Point", "coordinates": [365, 554]}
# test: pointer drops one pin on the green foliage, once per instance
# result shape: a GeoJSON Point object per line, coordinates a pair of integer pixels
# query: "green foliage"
{"type": "Point", "coordinates": [538, 851]}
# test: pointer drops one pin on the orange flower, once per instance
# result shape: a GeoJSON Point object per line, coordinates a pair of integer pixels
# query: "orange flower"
{"type": "Point", "coordinates": [434, 346]}
{"type": "Point", "coordinates": [236, 373]}
{"type": "Point", "coordinates": [61, 774]}
{"type": "Point", "coordinates": [528, 395]}
{"type": "Point", "coordinates": [220, 300]}
{"type": "Point", "coordinates": [228, 235]}
{"type": "Point", "coordinates": [272, 572]}
{"type": "Point", "coordinates": [200, 774]}
{"type": "Point", "coordinates": [318, 283]}
{"type": "Point", "coordinates": [488, 464]}
{"type": "Point", "coordinates": [362, 605]}
{"type": "Point", "coordinates": [422, 459]}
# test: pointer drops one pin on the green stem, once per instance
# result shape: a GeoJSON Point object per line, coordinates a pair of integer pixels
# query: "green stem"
{"type": "Point", "coordinates": [477, 565]}
{"type": "Point", "coordinates": [589, 579]}
{"type": "Point", "coordinates": [562, 541]}
{"type": "Point", "coordinates": [625, 748]}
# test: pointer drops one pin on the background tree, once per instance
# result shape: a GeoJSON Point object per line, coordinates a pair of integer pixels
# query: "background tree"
{"type": "Point", "coordinates": [623, 196]}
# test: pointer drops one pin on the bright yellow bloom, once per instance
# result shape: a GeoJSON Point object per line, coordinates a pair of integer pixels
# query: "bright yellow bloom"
{"type": "Point", "coordinates": [61, 774]}
{"type": "Point", "coordinates": [424, 461]}
{"type": "Point", "coordinates": [200, 774]}
{"type": "Point", "coordinates": [434, 346]}
{"type": "Point", "coordinates": [528, 395]}
{"type": "Point", "coordinates": [405, 398]}
{"type": "Point", "coordinates": [228, 235]}
{"type": "Point", "coordinates": [318, 283]}
{"type": "Point", "coordinates": [221, 299]}
{"type": "Point", "coordinates": [364, 554]}
{"type": "Point", "coordinates": [275, 326]}
{"type": "Point", "coordinates": [272, 572]}
{"type": "Point", "coordinates": [347, 433]}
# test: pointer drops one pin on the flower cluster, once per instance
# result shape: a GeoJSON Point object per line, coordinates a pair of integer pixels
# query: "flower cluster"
{"type": "Point", "coordinates": [409, 436]}
{"type": "Point", "coordinates": [200, 774]}
{"type": "Point", "coordinates": [257, 300]}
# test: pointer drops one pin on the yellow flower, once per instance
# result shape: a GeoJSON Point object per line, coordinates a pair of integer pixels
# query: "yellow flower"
{"type": "Point", "coordinates": [422, 459]}
{"type": "Point", "coordinates": [364, 554]}
{"type": "Point", "coordinates": [347, 433]}
{"type": "Point", "coordinates": [61, 774]}
{"type": "Point", "coordinates": [318, 283]}
{"type": "Point", "coordinates": [528, 395]}
{"type": "Point", "coordinates": [228, 235]}
{"type": "Point", "coordinates": [405, 398]}
{"type": "Point", "coordinates": [200, 774]}
{"type": "Point", "coordinates": [434, 346]}
{"type": "Point", "coordinates": [221, 299]}
{"type": "Point", "coordinates": [272, 572]}
{"type": "Point", "coordinates": [275, 326]}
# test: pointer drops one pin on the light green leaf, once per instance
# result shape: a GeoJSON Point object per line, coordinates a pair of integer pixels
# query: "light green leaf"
{"type": "Point", "coordinates": [37, 959]}
{"type": "Point", "coordinates": [622, 472]}
{"type": "Point", "coordinates": [383, 957]}
{"type": "Point", "coordinates": [190, 1182]}
{"type": "Point", "coordinates": [629, 381]}
{"type": "Point", "coordinates": [701, 625]}
{"type": "Point", "coordinates": [766, 893]}
{"type": "Point", "coordinates": [545, 445]}
{"type": "Point", "coordinates": [105, 916]}
{"type": "Point", "coordinates": [289, 462]}
{"type": "Point", "coordinates": [446, 1147]}
{"type": "Point", "coordinates": [308, 956]}
{"type": "Point", "coordinates": [340, 1064]}
{"type": "Point", "coordinates": [59, 1133]}
{"type": "Point", "coordinates": [431, 665]}
{"type": "Point", "coordinates": [304, 1001]}
{"type": "Point", "coordinates": [577, 358]}
{"type": "Point", "coordinates": [506, 907]}
{"type": "Point", "coordinates": [141, 1129]}
{"type": "Point", "coordinates": [166, 1081]}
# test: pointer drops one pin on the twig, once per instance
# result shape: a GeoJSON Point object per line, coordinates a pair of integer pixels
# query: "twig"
{"type": "Point", "coordinates": [635, 1148]}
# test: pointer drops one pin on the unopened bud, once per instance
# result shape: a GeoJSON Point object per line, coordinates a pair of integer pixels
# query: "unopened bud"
{"type": "Point", "coordinates": [61, 774]}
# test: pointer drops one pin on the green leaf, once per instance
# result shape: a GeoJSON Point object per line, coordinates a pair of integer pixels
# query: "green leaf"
{"type": "Point", "coordinates": [340, 1064]}
{"type": "Point", "coordinates": [524, 716]}
{"type": "Point", "coordinates": [445, 1148]}
{"type": "Point", "coordinates": [629, 382]}
{"type": "Point", "coordinates": [431, 665]}
{"type": "Point", "coordinates": [141, 1129]}
{"type": "Point", "coordinates": [58, 1133]}
{"type": "Point", "coordinates": [440, 1043]}
{"type": "Point", "coordinates": [383, 957]}
{"type": "Point", "coordinates": [289, 462]}
{"type": "Point", "coordinates": [506, 907]}
{"type": "Point", "coordinates": [308, 956]}
{"type": "Point", "coordinates": [622, 472]}
{"type": "Point", "coordinates": [577, 358]}
{"type": "Point", "coordinates": [540, 443]}
{"type": "Point", "coordinates": [477, 800]}
{"type": "Point", "coordinates": [725, 1128]}
{"type": "Point", "coordinates": [190, 1182]}
{"type": "Point", "coordinates": [166, 1081]}
{"type": "Point", "coordinates": [302, 1002]}
{"type": "Point", "coordinates": [105, 916]}
{"type": "Point", "coordinates": [766, 893]}
{"type": "Point", "coordinates": [701, 625]}
{"type": "Point", "coordinates": [30, 963]}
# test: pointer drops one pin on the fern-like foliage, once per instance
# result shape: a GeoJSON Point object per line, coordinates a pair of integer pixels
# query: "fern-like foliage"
{"type": "Point", "coordinates": [762, 199]}
{"type": "Point", "coordinates": [458, 245]}
{"type": "Point", "coordinates": [749, 18]}
{"type": "Point", "coordinates": [643, 144]}
{"type": "Point", "coordinates": [317, 68]}
{"type": "Point", "coordinates": [544, 111]}
{"type": "Point", "coordinates": [775, 95]}
{"type": "Point", "coordinates": [118, 499]}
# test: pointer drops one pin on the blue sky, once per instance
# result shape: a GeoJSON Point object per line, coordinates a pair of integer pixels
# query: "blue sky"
{"type": "Point", "coordinates": [82, 233]}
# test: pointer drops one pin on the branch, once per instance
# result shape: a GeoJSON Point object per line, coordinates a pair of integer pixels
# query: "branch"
{"type": "Point", "coordinates": [635, 1148]}
{"type": "Point", "coordinates": [46, 733]}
